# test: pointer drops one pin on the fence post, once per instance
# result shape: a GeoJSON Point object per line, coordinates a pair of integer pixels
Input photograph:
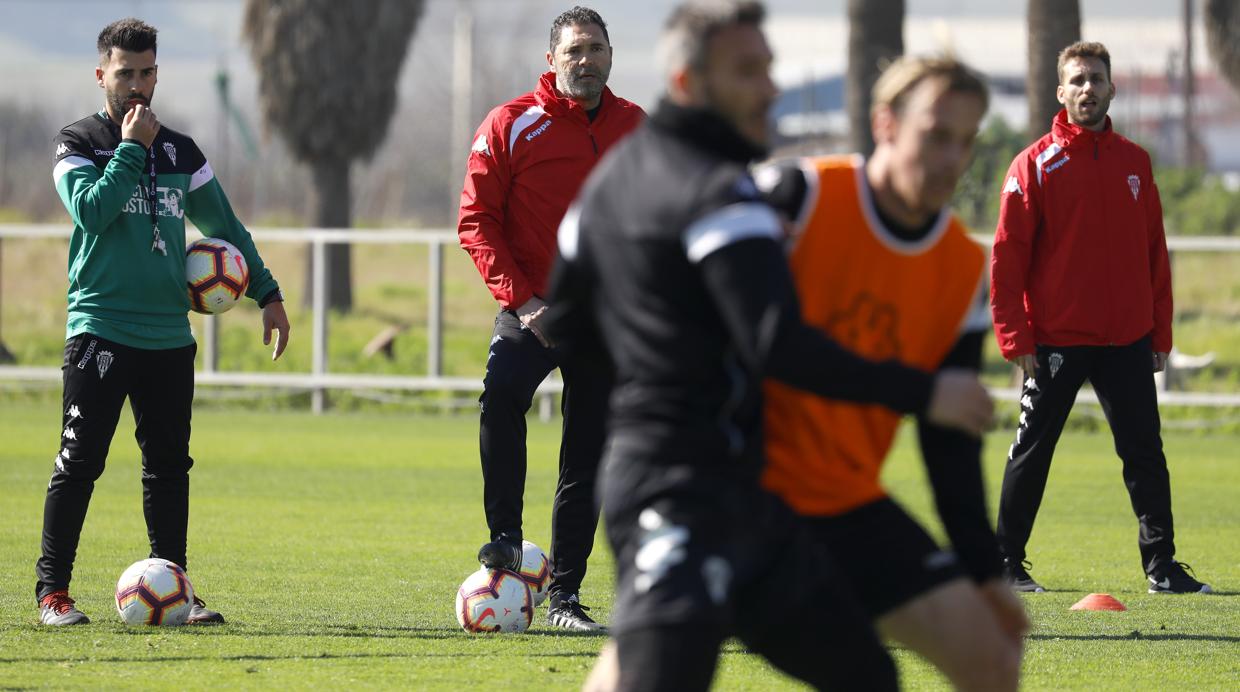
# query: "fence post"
{"type": "Point", "coordinates": [6, 356]}
{"type": "Point", "coordinates": [318, 365]}
{"type": "Point", "coordinates": [434, 312]}
{"type": "Point", "coordinates": [211, 339]}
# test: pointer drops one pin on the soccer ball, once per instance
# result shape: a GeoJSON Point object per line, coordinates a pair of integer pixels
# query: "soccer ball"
{"type": "Point", "coordinates": [154, 592]}
{"type": "Point", "coordinates": [535, 570]}
{"type": "Point", "coordinates": [494, 600]}
{"type": "Point", "coordinates": [216, 275]}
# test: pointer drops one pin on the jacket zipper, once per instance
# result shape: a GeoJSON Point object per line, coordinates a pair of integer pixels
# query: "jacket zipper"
{"type": "Point", "coordinates": [1109, 237]}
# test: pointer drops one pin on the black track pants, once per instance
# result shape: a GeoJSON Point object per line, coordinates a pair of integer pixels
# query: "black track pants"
{"type": "Point", "coordinates": [98, 376]}
{"type": "Point", "coordinates": [1122, 377]}
{"type": "Point", "coordinates": [516, 364]}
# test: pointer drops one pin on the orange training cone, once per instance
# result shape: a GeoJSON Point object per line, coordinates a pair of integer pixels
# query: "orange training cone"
{"type": "Point", "coordinates": [1098, 601]}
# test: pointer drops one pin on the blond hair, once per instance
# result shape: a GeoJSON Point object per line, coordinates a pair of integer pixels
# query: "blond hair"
{"type": "Point", "coordinates": [904, 74]}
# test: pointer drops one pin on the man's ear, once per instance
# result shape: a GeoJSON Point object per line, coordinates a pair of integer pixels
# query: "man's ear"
{"type": "Point", "coordinates": [550, 60]}
{"type": "Point", "coordinates": [883, 124]}
{"type": "Point", "coordinates": [1059, 95]}
{"type": "Point", "coordinates": [681, 86]}
{"type": "Point", "coordinates": [99, 76]}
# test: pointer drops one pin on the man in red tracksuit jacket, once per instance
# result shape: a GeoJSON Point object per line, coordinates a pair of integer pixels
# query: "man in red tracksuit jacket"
{"type": "Point", "coordinates": [1081, 289]}
{"type": "Point", "coordinates": [528, 159]}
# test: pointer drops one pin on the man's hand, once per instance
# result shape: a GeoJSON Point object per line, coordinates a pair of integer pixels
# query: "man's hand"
{"type": "Point", "coordinates": [959, 401]}
{"type": "Point", "coordinates": [141, 124]}
{"type": "Point", "coordinates": [605, 676]}
{"type": "Point", "coordinates": [1027, 362]}
{"type": "Point", "coordinates": [530, 313]}
{"type": "Point", "coordinates": [1007, 609]}
{"type": "Point", "coordinates": [1160, 360]}
{"type": "Point", "coordinates": [274, 317]}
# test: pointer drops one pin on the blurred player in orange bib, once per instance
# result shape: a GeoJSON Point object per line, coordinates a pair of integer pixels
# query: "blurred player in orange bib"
{"type": "Point", "coordinates": [887, 271]}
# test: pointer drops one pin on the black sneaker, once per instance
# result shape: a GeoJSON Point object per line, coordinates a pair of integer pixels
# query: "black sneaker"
{"type": "Point", "coordinates": [567, 612]}
{"type": "Point", "coordinates": [501, 553]}
{"type": "Point", "coordinates": [200, 615]}
{"type": "Point", "coordinates": [1017, 574]}
{"type": "Point", "coordinates": [1172, 578]}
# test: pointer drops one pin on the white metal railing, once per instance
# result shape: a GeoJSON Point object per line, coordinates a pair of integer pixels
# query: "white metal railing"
{"type": "Point", "coordinates": [318, 381]}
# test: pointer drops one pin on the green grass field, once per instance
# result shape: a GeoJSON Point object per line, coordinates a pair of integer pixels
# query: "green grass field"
{"type": "Point", "coordinates": [334, 545]}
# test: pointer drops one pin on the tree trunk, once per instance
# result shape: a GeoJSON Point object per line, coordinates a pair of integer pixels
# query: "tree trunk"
{"type": "Point", "coordinates": [1222, 19]}
{"type": "Point", "coordinates": [1053, 26]}
{"type": "Point", "coordinates": [331, 210]}
{"type": "Point", "coordinates": [875, 38]}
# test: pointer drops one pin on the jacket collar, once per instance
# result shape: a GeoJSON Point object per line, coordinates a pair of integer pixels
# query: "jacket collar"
{"type": "Point", "coordinates": [557, 104]}
{"type": "Point", "coordinates": [706, 130]}
{"type": "Point", "coordinates": [1069, 136]}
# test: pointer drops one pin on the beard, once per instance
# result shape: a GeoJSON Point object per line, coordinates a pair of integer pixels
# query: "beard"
{"type": "Point", "coordinates": [1098, 117]}
{"type": "Point", "coordinates": [573, 85]}
{"type": "Point", "coordinates": [1096, 121]}
{"type": "Point", "coordinates": [120, 101]}
{"type": "Point", "coordinates": [753, 124]}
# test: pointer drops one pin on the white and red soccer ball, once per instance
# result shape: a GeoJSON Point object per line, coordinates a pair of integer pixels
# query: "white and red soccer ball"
{"type": "Point", "coordinates": [154, 592]}
{"type": "Point", "coordinates": [494, 600]}
{"type": "Point", "coordinates": [536, 571]}
{"type": "Point", "coordinates": [215, 275]}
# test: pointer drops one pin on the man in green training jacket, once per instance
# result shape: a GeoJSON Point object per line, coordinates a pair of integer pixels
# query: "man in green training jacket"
{"type": "Point", "coordinates": [129, 184]}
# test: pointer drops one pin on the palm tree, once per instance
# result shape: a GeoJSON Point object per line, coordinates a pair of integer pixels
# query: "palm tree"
{"type": "Point", "coordinates": [875, 38]}
{"type": "Point", "coordinates": [327, 82]}
{"type": "Point", "coordinates": [1053, 26]}
{"type": "Point", "coordinates": [1223, 38]}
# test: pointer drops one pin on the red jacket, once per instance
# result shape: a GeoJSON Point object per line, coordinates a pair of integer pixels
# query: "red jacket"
{"type": "Point", "coordinates": [528, 160]}
{"type": "Point", "coordinates": [1080, 257]}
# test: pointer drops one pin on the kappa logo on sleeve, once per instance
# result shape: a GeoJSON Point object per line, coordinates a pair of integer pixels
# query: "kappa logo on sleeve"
{"type": "Point", "coordinates": [480, 146]}
{"type": "Point", "coordinates": [61, 149]}
{"type": "Point", "coordinates": [1013, 186]}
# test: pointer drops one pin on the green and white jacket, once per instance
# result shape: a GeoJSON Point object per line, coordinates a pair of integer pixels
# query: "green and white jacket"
{"type": "Point", "coordinates": [119, 287]}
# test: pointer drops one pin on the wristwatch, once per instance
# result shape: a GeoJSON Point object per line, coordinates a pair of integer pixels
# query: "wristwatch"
{"type": "Point", "coordinates": [275, 296]}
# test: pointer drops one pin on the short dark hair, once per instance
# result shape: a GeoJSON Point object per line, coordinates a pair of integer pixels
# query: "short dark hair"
{"type": "Point", "coordinates": [129, 34]}
{"type": "Point", "coordinates": [686, 35]}
{"type": "Point", "coordinates": [1084, 49]}
{"type": "Point", "coordinates": [577, 16]}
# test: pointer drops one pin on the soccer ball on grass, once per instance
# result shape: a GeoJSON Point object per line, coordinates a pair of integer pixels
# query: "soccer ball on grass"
{"type": "Point", "coordinates": [494, 600]}
{"type": "Point", "coordinates": [154, 592]}
{"type": "Point", "coordinates": [535, 570]}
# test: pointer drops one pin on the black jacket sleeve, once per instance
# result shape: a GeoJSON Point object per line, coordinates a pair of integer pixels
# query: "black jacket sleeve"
{"type": "Point", "coordinates": [753, 291]}
{"type": "Point", "coordinates": [953, 464]}
{"type": "Point", "coordinates": [570, 322]}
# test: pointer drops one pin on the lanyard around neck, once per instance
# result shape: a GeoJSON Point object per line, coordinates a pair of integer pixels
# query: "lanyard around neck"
{"type": "Point", "coordinates": [152, 195]}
